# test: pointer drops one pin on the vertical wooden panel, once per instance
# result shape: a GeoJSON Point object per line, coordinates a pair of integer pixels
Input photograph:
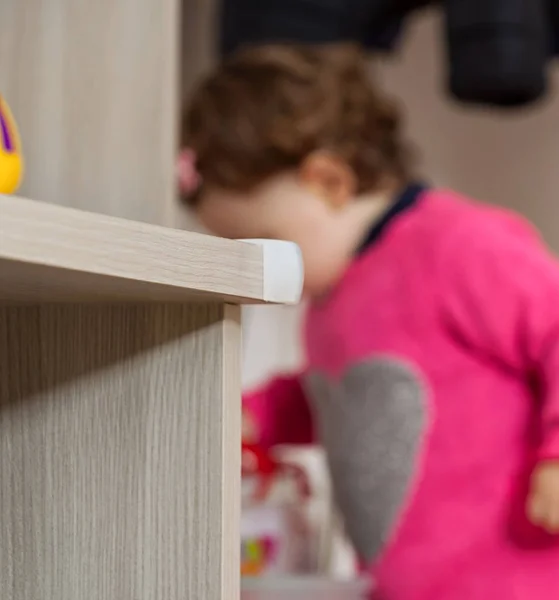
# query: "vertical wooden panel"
{"type": "Point", "coordinates": [119, 453]}
{"type": "Point", "coordinates": [94, 87]}
{"type": "Point", "coordinates": [231, 459]}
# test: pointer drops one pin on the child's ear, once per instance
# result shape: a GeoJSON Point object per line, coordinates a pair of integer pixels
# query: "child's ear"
{"type": "Point", "coordinates": [329, 177]}
{"type": "Point", "coordinates": [188, 178]}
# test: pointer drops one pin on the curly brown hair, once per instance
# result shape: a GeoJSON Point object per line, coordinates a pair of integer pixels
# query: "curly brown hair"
{"type": "Point", "coordinates": [268, 107]}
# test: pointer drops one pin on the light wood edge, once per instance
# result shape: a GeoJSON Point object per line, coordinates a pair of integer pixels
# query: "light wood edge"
{"type": "Point", "coordinates": [231, 448]}
{"type": "Point", "coordinates": [54, 236]}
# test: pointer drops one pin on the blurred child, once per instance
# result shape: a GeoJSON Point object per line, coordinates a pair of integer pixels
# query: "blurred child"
{"type": "Point", "coordinates": [432, 336]}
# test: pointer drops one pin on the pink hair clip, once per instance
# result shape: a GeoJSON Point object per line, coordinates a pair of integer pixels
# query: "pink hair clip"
{"type": "Point", "coordinates": [188, 177]}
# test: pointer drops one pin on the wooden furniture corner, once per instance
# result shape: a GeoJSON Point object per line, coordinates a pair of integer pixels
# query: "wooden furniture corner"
{"type": "Point", "coordinates": [120, 404]}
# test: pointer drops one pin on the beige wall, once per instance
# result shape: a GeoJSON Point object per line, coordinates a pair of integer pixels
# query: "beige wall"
{"type": "Point", "coordinates": [506, 158]}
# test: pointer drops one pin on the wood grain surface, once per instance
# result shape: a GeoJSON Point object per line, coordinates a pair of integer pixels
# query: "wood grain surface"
{"type": "Point", "coordinates": [48, 252]}
{"type": "Point", "coordinates": [119, 453]}
{"type": "Point", "coordinates": [94, 86]}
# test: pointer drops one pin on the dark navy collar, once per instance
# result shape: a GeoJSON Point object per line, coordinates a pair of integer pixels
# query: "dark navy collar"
{"type": "Point", "coordinates": [407, 198]}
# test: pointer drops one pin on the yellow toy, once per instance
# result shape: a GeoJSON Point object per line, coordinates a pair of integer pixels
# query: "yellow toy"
{"type": "Point", "coordinates": [11, 160]}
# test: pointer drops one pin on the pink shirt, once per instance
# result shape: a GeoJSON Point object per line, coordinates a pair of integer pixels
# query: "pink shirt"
{"type": "Point", "coordinates": [432, 380]}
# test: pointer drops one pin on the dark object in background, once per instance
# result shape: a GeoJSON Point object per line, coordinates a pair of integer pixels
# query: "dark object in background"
{"type": "Point", "coordinates": [498, 50]}
{"type": "Point", "coordinates": [553, 14]}
{"type": "Point", "coordinates": [373, 23]}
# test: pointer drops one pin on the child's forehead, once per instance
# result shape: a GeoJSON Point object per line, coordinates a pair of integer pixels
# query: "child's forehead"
{"type": "Point", "coordinates": [231, 214]}
{"type": "Point", "coordinates": [270, 188]}
{"type": "Point", "coordinates": [227, 204]}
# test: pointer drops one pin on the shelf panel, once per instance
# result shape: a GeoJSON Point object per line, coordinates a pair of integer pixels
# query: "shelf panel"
{"type": "Point", "coordinates": [50, 253]}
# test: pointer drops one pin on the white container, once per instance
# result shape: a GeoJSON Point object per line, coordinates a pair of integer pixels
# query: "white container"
{"type": "Point", "coordinates": [304, 588]}
{"type": "Point", "coordinates": [277, 537]}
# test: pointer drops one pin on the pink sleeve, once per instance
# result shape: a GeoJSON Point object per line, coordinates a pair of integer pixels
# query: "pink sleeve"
{"type": "Point", "coordinates": [281, 413]}
{"type": "Point", "coordinates": [500, 292]}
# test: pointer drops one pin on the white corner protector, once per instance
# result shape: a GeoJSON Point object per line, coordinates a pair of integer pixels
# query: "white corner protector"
{"type": "Point", "coordinates": [283, 271]}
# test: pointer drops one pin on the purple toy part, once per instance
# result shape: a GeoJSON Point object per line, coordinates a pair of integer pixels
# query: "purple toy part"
{"type": "Point", "coordinates": [6, 138]}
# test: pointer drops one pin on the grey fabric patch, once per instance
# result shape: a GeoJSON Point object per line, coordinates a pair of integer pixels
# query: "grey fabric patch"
{"type": "Point", "coordinates": [371, 424]}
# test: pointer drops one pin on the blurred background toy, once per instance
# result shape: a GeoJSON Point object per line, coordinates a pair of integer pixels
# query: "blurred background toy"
{"type": "Point", "coordinates": [11, 160]}
{"type": "Point", "coordinates": [275, 536]}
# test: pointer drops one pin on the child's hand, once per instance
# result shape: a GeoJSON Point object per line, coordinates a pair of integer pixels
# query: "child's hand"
{"type": "Point", "coordinates": [543, 501]}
